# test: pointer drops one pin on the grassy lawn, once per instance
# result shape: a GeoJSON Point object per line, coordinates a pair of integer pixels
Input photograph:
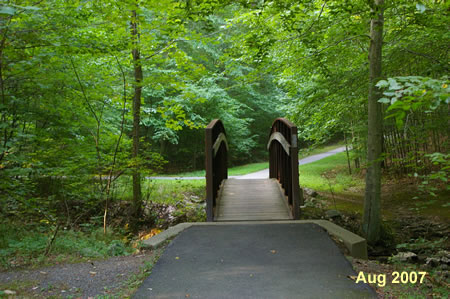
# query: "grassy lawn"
{"type": "Point", "coordinates": [173, 191]}
{"type": "Point", "coordinates": [236, 170]}
{"type": "Point", "coordinates": [328, 174]}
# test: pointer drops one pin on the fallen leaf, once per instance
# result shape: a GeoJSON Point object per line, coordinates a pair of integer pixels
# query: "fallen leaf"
{"type": "Point", "coordinates": [187, 296]}
{"type": "Point", "coordinates": [177, 258]}
{"type": "Point", "coordinates": [42, 272]}
{"type": "Point", "coordinates": [273, 251]}
{"type": "Point", "coordinates": [352, 277]}
{"type": "Point", "coordinates": [153, 232]}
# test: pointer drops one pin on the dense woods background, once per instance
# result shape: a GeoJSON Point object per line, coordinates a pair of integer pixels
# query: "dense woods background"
{"type": "Point", "coordinates": [93, 93]}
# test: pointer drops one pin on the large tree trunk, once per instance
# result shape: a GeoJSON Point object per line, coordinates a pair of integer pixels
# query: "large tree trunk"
{"type": "Point", "coordinates": [372, 219]}
{"type": "Point", "coordinates": [138, 77]}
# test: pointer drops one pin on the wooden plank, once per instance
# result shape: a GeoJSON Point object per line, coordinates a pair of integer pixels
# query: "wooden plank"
{"type": "Point", "coordinates": [248, 212]}
{"type": "Point", "coordinates": [255, 199]}
{"type": "Point", "coordinates": [253, 218]}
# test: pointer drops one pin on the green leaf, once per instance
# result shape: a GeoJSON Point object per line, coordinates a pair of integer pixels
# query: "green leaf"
{"type": "Point", "coordinates": [393, 84]}
{"type": "Point", "coordinates": [7, 10]}
{"type": "Point", "coordinates": [384, 101]}
{"type": "Point", "coordinates": [32, 8]}
{"type": "Point", "coordinates": [382, 84]}
{"type": "Point", "coordinates": [421, 8]}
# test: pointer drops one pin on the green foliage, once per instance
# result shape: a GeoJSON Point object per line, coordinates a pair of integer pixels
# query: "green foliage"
{"type": "Point", "coordinates": [408, 97]}
{"type": "Point", "coordinates": [24, 245]}
{"type": "Point", "coordinates": [66, 89]}
{"type": "Point", "coordinates": [430, 182]}
{"type": "Point", "coordinates": [420, 244]}
{"type": "Point", "coordinates": [413, 93]}
{"type": "Point", "coordinates": [65, 101]}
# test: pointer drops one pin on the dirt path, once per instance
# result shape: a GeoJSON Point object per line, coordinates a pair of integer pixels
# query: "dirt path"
{"type": "Point", "coordinates": [104, 277]}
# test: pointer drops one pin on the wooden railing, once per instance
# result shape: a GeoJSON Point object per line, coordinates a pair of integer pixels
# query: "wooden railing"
{"type": "Point", "coordinates": [216, 150]}
{"type": "Point", "coordinates": [283, 162]}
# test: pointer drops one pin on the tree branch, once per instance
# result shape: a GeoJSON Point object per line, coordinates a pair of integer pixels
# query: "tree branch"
{"type": "Point", "coordinates": [309, 28]}
{"type": "Point", "coordinates": [425, 56]}
{"type": "Point", "coordinates": [83, 91]}
{"type": "Point", "coordinates": [175, 41]}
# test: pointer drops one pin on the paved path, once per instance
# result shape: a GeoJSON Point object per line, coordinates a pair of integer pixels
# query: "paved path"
{"type": "Point", "coordinates": [318, 157]}
{"type": "Point", "coordinates": [262, 174]}
{"type": "Point", "coordinates": [253, 261]}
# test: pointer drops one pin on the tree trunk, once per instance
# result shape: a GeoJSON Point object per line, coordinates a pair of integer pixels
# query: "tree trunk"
{"type": "Point", "coordinates": [371, 218]}
{"type": "Point", "coordinates": [348, 156]}
{"type": "Point", "coordinates": [138, 77]}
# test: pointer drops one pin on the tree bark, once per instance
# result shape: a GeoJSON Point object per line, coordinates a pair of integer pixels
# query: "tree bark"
{"type": "Point", "coordinates": [371, 218]}
{"type": "Point", "coordinates": [138, 77]}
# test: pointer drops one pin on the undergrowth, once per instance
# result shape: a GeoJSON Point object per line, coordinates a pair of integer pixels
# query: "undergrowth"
{"type": "Point", "coordinates": [25, 245]}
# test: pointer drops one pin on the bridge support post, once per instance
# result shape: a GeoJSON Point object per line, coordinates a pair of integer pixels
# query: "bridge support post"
{"type": "Point", "coordinates": [209, 175]}
{"type": "Point", "coordinates": [297, 197]}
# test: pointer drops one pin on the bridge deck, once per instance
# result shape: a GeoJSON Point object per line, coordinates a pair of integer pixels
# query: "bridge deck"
{"type": "Point", "coordinates": [251, 199]}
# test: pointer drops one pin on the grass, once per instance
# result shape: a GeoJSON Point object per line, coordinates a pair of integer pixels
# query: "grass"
{"type": "Point", "coordinates": [328, 174]}
{"type": "Point", "coordinates": [232, 171]}
{"type": "Point", "coordinates": [173, 191]}
{"type": "Point", "coordinates": [23, 287]}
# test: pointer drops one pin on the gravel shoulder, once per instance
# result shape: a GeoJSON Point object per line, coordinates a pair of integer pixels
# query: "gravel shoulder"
{"type": "Point", "coordinates": [100, 277]}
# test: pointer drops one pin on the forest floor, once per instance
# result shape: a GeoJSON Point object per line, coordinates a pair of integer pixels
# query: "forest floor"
{"type": "Point", "coordinates": [415, 227]}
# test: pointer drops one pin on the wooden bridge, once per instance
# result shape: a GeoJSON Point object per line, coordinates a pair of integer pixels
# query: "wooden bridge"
{"type": "Point", "coordinates": [277, 198]}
